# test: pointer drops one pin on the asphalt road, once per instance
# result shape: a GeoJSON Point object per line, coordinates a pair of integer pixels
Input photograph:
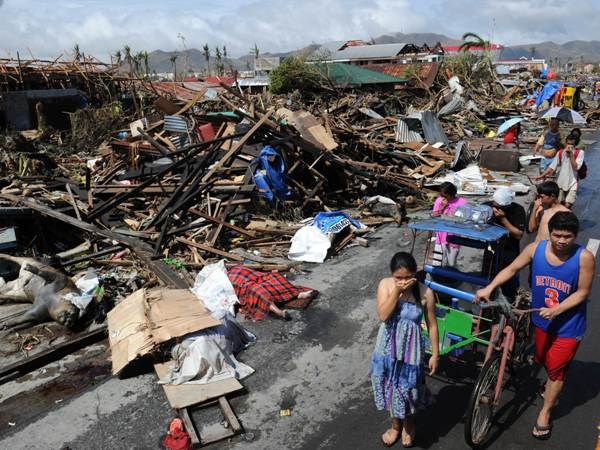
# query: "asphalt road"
{"type": "Point", "coordinates": [441, 426]}
{"type": "Point", "coordinates": [318, 367]}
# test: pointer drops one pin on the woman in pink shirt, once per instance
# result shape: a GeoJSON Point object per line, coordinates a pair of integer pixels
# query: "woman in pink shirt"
{"type": "Point", "coordinates": [446, 204]}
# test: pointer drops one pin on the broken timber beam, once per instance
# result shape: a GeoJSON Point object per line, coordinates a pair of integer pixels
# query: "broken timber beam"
{"type": "Point", "coordinates": [236, 148]}
{"type": "Point", "coordinates": [142, 250]}
{"type": "Point", "coordinates": [161, 148]}
{"type": "Point", "coordinates": [239, 230]}
{"type": "Point", "coordinates": [209, 249]}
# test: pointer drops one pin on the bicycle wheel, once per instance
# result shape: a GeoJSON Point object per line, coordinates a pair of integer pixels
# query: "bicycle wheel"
{"type": "Point", "coordinates": [522, 354]}
{"type": "Point", "coordinates": [480, 410]}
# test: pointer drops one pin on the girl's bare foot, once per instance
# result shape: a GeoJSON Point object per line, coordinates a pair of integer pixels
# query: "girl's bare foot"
{"type": "Point", "coordinates": [408, 433]}
{"type": "Point", "coordinates": [390, 437]}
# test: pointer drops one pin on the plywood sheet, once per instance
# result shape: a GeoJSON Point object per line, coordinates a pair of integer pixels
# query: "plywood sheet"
{"type": "Point", "coordinates": [184, 395]}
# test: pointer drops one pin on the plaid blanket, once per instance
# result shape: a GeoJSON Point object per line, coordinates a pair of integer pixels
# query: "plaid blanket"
{"type": "Point", "coordinates": [257, 291]}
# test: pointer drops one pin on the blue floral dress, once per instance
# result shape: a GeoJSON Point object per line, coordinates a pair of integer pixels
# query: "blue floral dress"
{"type": "Point", "coordinates": [397, 370]}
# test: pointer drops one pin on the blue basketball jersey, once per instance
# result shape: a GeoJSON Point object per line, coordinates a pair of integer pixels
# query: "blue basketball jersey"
{"type": "Point", "coordinates": [551, 285]}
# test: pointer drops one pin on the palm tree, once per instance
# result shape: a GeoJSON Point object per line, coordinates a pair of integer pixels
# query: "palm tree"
{"type": "Point", "coordinates": [227, 60]}
{"type": "Point", "coordinates": [173, 60]}
{"type": "Point", "coordinates": [532, 51]}
{"type": "Point", "coordinates": [218, 60]}
{"type": "Point", "coordinates": [471, 41]}
{"type": "Point", "coordinates": [137, 63]}
{"type": "Point", "coordinates": [256, 52]}
{"type": "Point", "coordinates": [118, 57]}
{"type": "Point", "coordinates": [76, 52]}
{"type": "Point", "coordinates": [206, 53]}
{"type": "Point", "coordinates": [145, 56]}
{"type": "Point", "coordinates": [128, 58]}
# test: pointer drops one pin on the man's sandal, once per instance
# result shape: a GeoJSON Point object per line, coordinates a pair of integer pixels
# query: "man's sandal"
{"type": "Point", "coordinates": [540, 428]}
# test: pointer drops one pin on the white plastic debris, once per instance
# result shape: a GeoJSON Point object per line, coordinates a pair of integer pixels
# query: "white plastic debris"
{"type": "Point", "coordinates": [309, 245]}
{"type": "Point", "coordinates": [213, 287]}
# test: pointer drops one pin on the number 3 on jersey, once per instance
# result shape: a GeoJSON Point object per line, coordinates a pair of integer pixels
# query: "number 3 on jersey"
{"type": "Point", "coordinates": [551, 299]}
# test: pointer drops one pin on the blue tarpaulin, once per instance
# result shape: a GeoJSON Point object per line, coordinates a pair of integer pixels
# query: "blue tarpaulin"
{"type": "Point", "coordinates": [484, 233]}
{"type": "Point", "coordinates": [270, 176]}
{"type": "Point", "coordinates": [334, 221]}
{"type": "Point", "coordinates": [550, 88]}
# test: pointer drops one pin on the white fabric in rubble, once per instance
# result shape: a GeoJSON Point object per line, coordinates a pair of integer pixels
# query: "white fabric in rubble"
{"type": "Point", "coordinates": [467, 181]}
{"type": "Point", "coordinates": [207, 356]}
{"type": "Point", "coordinates": [455, 86]}
{"type": "Point", "coordinates": [309, 245]}
{"type": "Point", "coordinates": [87, 285]}
{"type": "Point", "coordinates": [213, 287]}
{"type": "Point", "coordinates": [380, 199]}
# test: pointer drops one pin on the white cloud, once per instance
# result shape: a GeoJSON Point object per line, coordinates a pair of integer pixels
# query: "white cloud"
{"type": "Point", "coordinates": [49, 28]}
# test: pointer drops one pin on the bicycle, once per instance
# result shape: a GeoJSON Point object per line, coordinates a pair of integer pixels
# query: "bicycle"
{"type": "Point", "coordinates": [502, 353]}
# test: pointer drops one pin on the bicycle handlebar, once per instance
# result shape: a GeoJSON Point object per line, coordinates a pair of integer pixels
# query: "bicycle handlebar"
{"type": "Point", "coordinates": [457, 293]}
{"type": "Point", "coordinates": [501, 303]}
{"type": "Point", "coordinates": [467, 296]}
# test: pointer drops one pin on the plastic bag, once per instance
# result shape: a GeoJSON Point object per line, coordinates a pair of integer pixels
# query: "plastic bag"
{"type": "Point", "coordinates": [213, 287]}
{"type": "Point", "coordinates": [309, 245]}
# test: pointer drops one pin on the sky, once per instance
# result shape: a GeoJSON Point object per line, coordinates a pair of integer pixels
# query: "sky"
{"type": "Point", "coordinates": [45, 28]}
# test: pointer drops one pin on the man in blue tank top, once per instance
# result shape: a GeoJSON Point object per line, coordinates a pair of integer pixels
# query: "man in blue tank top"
{"type": "Point", "coordinates": [561, 274]}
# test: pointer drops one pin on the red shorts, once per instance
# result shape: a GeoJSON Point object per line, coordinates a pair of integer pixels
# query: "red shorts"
{"type": "Point", "coordinates": [555, 353]}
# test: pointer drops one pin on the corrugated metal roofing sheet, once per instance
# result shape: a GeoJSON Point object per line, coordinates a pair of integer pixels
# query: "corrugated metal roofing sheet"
{"type": "Point", "coordinates": [348, 75]}
{"type": "Point", "coordinates": [426, 71]}
{"type": "Point", "coordinates": [255, 81]}
{"type": "Point", "coordinates": [456, 48]}
{"type": "Point", "coordinates": [331, 53]}
{"type": "Point", "coordinates": [215, 80]}
{"type": "Point", "coordinates": [403, 134]}
{"type": "Point", "coordinates": [175, 124]}
{"type": "Point", "coordinates": [182, 91]}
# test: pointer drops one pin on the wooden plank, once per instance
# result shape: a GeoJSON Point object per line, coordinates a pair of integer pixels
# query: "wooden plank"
{"type": "Point", "coordinates": [54, 353]}
{"type": "Point", "coordinates": [239, 230]}
{"type": "Point", "coordinates": [142, 250]}
{"type": "Point", "coordinates": [73, 201]}
{"type": "Point", "coordinates": [214, 235]}
{"type": "Point", "coordinates": [237, 147]}
{"type": "Point", "coordinates": [184, 395]}
{"type": "Point", "coordinates": [230, 415]}
{"type": "Point", "coordinates": [208, 248]}
{"type": "Point", "coordinates": [161, 148]}
{"type": "Point", "coordinates": [193, 101]}
{"type": "Point", "coordinates": [189, 426]}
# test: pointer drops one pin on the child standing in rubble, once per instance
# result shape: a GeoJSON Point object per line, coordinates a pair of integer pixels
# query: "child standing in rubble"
{"type": "Point", "coordinates": [397, 364]}
{"type": "Point", "coordinates": [446, 204]}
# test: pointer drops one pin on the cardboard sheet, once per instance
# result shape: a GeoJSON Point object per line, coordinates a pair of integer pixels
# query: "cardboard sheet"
{"type": "Point", "coordinates": [150, 317]}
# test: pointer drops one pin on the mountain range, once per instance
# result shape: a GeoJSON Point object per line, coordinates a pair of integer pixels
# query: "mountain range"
{"type": "Point", "coordinates": [573, 51]}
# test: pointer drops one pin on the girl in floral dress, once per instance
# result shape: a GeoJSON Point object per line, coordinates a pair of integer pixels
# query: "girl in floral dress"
{"type": "Point", "coordinates": [397, 367]}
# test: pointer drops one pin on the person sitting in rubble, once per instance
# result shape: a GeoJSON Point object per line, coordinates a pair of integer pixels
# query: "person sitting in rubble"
{"type": "Point", "coordinates": [446, 204]}
{"type": "Point", "coordinates": [549, 143]}
{"type": "Point", "coordinates": [511, 137]}
{"type": "Point", "coordinates": [262, 292]}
